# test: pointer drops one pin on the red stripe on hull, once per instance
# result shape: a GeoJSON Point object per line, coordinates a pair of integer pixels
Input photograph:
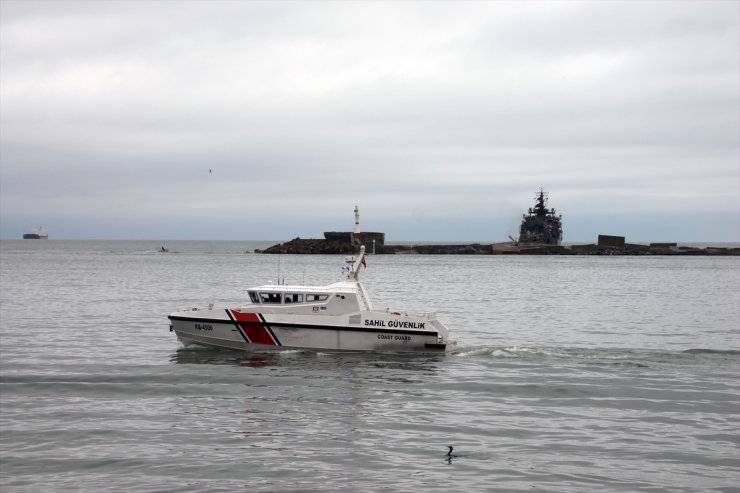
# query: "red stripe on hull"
{"type": "Point", "coordinates": [257, 334]}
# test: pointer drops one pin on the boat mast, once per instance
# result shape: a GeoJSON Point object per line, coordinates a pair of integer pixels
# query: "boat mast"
{"type": "Point", "coordinates": [353, 273]}
{"type": "Point", "coordinates": [540, 200]}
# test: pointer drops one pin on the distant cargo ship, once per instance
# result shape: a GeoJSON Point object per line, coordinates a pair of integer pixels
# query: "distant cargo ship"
{"type": "Point", "coordinates": [39, 234]}
{"type": "Point", "coordinates": [541, 225]}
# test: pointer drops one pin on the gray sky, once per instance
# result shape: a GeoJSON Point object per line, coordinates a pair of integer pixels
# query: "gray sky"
{"type": "Point", "coordinates": [439, 120]}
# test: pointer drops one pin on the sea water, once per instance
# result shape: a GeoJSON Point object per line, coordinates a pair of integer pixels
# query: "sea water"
{"type": "Point", "coordinates": [572, 374]}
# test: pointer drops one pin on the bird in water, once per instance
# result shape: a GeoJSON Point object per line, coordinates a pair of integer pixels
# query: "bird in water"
{"type": "Point", "coordinates": [449, 452]}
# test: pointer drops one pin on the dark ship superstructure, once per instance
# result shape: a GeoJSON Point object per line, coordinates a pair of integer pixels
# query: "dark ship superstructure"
{"type": "Point", "coordinates": [38, 234]}
{"type": "Point", "coordinates": [541, 225]}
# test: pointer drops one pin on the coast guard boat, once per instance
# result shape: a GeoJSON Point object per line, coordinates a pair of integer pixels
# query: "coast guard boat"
{"type": "Point", "coordinates": [338, 316]}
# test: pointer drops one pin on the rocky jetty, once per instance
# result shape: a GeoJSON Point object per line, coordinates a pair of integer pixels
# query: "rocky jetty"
{"type": "Point", "coordinates": [329, 247]}
{"type": "Point", "coordinates": [594, 249]}
{"type": "Point", "coordinates": [471, 249]}
{"type": "Point", "coordinates": [314, 246]}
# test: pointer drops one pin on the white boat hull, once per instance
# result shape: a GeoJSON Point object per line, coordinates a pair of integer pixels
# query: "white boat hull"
{"type": "Point", "coordinates": [363, 331]}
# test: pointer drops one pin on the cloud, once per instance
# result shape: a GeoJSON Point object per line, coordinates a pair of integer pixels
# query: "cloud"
{"type": "Point", "coordinates": [438, 110]}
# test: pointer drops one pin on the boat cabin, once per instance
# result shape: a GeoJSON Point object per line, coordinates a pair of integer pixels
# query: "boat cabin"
{"type": "Point", "coordinates": [278, 298]}
{"type": "Point", "coordinates": [342, 297]}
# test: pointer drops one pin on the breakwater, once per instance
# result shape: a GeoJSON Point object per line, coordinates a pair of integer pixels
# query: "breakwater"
{"type": "Point", "coordinates": [334, 247]}
{"type": "Point", "coordinates": [596, 249]}
{"type": "Point", "coordinates": [312, 247]}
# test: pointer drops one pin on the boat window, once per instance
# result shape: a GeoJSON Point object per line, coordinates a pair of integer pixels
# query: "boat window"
{"type": "Point", "coordinates": [253, 296]}
{"type": "Point", "coordinates": [317, 297]}
{"type": "Point", "coordinates": [270, 297]}
{"type": "Point", "coordinates": [293, 298]}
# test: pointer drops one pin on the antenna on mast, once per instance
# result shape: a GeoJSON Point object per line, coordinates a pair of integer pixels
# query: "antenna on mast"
{"type": "Point", "coordinates": [278, 271]}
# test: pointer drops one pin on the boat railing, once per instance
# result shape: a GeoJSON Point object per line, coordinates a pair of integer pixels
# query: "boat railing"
{"type": "Point", "coordinates": [282, 288]}
{"type": "Point", "coordinates": [426, 315]}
